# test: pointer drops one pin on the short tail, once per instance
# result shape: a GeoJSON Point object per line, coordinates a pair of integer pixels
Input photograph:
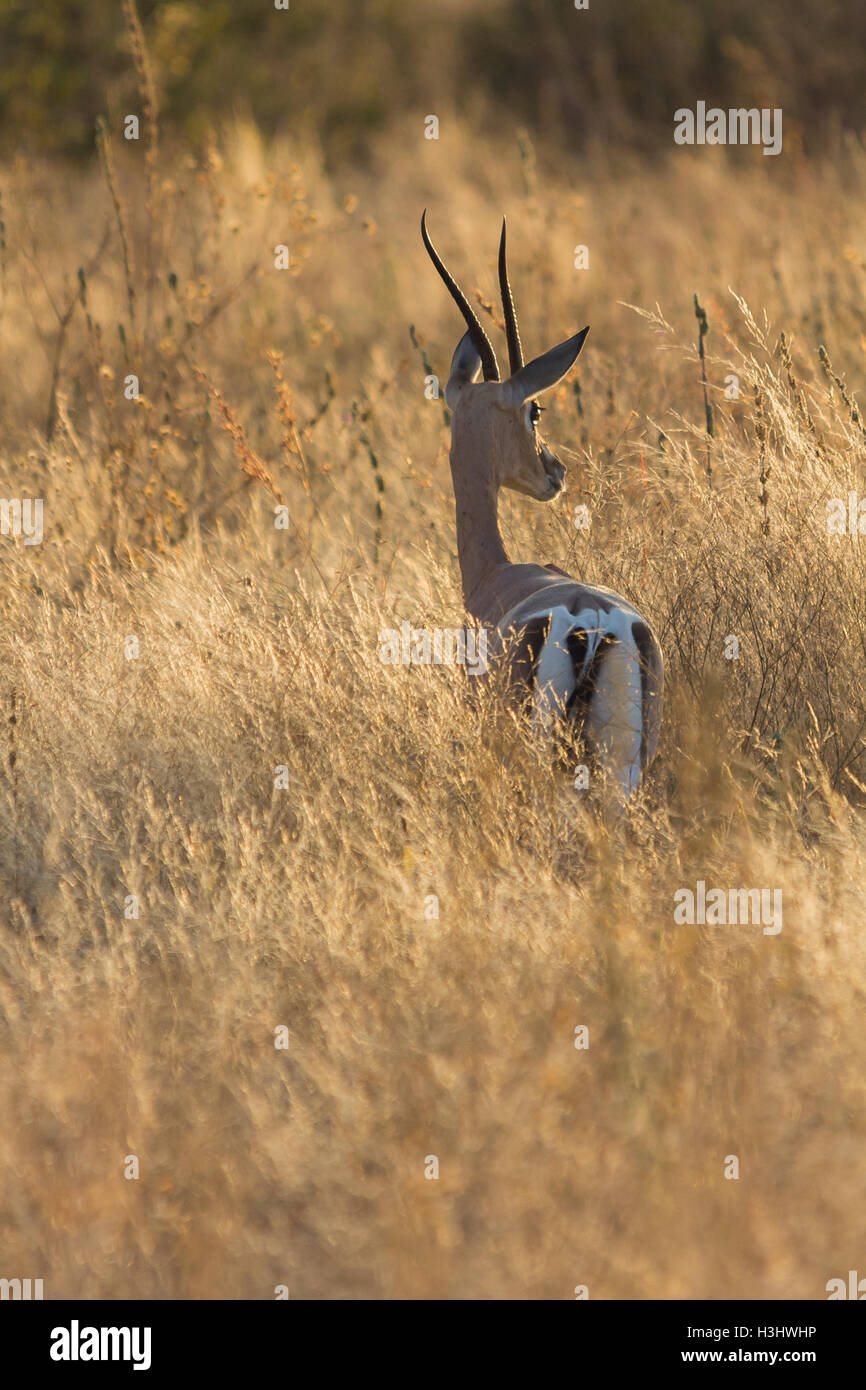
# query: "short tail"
{"type": "Point", "coordinates": [615, 715]}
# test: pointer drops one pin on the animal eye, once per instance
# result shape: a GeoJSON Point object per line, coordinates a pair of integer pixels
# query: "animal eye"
{"type": "Point", "coordinates": [535, 412]}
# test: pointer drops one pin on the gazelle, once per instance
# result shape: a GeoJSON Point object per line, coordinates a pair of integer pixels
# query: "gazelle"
{"type": "Point", "coordinates": [583, 653]}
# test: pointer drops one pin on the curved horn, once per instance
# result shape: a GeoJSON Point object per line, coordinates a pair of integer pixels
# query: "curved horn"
{"type": "Point", "coordinates": [476, 332]}
{"type": "Point", "coordinates": [515, 351]}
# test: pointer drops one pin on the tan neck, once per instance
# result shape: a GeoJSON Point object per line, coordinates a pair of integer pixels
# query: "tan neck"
{"type": "Point", "coordinates": [479, 541]}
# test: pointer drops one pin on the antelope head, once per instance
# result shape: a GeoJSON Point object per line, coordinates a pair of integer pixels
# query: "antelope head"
{"type": "Point", "coordinates": [495, 423]}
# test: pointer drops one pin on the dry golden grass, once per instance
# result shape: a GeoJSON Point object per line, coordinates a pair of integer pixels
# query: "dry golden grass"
{"type": "Point", "coordinates": [305, 907]}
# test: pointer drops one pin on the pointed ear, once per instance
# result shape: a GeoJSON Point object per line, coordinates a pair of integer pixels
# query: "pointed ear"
{"type": "Point", "coordinates": [544, 372]}
{"type": "Point", "coordinates": [465, 366]}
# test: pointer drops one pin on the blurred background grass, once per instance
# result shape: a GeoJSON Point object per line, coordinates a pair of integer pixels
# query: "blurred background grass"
{"type": "Point", "coordinates": [611, 74]}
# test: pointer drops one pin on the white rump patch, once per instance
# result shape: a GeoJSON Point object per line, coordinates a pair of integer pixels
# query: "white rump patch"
{"type": "Point", "coordinates": [614, 719]}
{"type": "Point", "coordinates": [556, 679]}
